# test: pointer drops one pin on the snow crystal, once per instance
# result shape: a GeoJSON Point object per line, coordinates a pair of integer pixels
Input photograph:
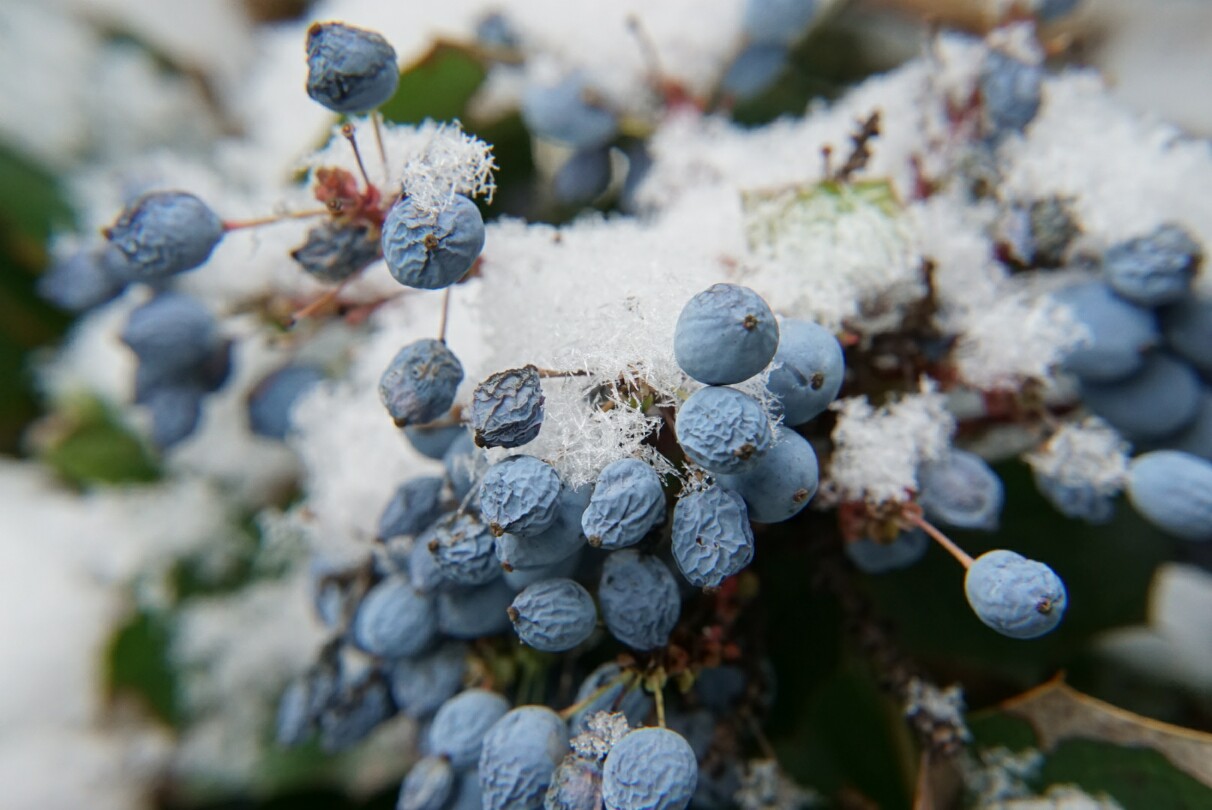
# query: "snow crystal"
{"type": "Point", "coordinates": [1086, 453]}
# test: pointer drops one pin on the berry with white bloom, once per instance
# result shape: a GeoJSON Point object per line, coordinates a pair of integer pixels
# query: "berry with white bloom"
{"type": "Point", "coordinates": [394, 620]}
{"type": "Point", "coordinates": [429, 784]}
{"type": "Point", "coordinates": [164, 233]}
{"type": "Point", "coordinates": [962, 490]}
{"type": "Point", "coordinates": [420, 383]}
{"type": "Point", "coordinates": [1173, 491]}
{"type": "Point", "coordinates": [1010, 93]}
{"type": "Point", "coordinates": [1158, 401]}
{"type": "Point", "coordinates": [458, 729]}
{"type": "Point", "coordinates": [782, 482]}
{"type": "Point", "coordinates": [639, 599]}
{"type": "Point", "coordinates": [507, 408]}
{"type": "Point", "coordinates": [519, 756]}
{"type": "Point", "coordinates": [568, 111]}
{"type": "Point", "coordinates": [725, 334]}
{"type": "Point", "coordinates": [431, 249]}
{"type": "Point", "coordinates": [808, 371]}
{"type": "Point", "coordinates": [723, 430]}
{"type": "Point", "coordinates": [712, 538]}
{"type": "Point", "coordinates": [349, 69]}
{"type": "Point", "coordinates": [553, 615]}
{"type": "Point", "coordinates": [650, 769]}
{"type": "Point", "coordinates": [628, 501]}
{"type": "Point", "coordinates": [1154, 269]}
{"type": "Point", "coordinates": [519, 495]}
{"type": "Point", "coordinates": [1017, 597]}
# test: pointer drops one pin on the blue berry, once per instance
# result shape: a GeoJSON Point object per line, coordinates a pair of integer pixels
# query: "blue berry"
{"type": "Point", "coordinates": [507, 408]}
{"type": "Point", "coordinates": [1173, 491]}
{"type": "Point", "coordinates": [85, 279]}
{"type": "Point", "coordinates": [553, 615]}
{"type": "Point", "coordinates": [723, 430]}
{"type": "Point", "coordinates": [568, 112]}
{"type": "Point", "coordinates": [1187, 327]}
{"type": "Point", "coordinates": [305, 699]}
{"type": "Point", "coordinates": [639, 599]}
{"type": "Point", "coordinates": [463, 547]}
{"type": "Point", "coordinates": [519, 495]}
{"type": "Point", "coordinates": [628, 501]}
{"type": "Point", "coordinates": [349, 70]}
{"type": "Point", "coordinates": [624, 696]}
{"type": "Point", "coordinates": [175, 411]}
{"type": "Point", "coordinates": [333, 253]}
{"type": "Point", "coordinates": [1017, 597]}
{"type": "Point", "coordinates": [423, 570]}
{"type": "Point", "coordinates": [557, 542]}
{"type": "Point", "coordinates": [429, 784]}
{"type": "Point", "coordinates": [458, 728]}
{"type": "Point", "coordinates": [1052, 10]}
{"type": "Point", "coordinates": [467, 794]}
{"type": "Point", "coordinates": [494, 30]}
{"type": "Point", "coordinates": [781, 483]}
{"type": "Point", "coordinates": [1079, 501]}
{"type": "Point", "coordinates": [465, 464]}
{"type": "Point", "coordinates": [575, 785]}
{"type": "Point", "coordinates": [476, 611]}
{"type": "Point", "coordinates": [873, 557]}
{"type": "Point", "coordinates": [1010, 93]}
{"type": "Point", "coordinates": [1120, 333]}
{"type": "Point", "coordinates": [961, 490]}
{"type": "Point", "coordinates": [431, 250]}
{"type": "Point", "coordinates": [433, 442]}
{"type": "Point", "coordinates": [520, 753]}
{"type": "Point", "coordinates": [354, 712]}
{"type": "Point", "coordinates": [755, 70]}
{"type": "Point", "coordinates": [172, 332]}
{"type": "Point", "coordinates": [1154, 269]}
{"type": "Point", "coordinates": [421, 382]}
{"type": "Point", "coordinates": [1196, 439]}
{"type": "Point", "coordinates": [164, 233]}
{"type": "Point", "coordinates": [271, 402]}
{"type": "Point", "coordinates": [415, 505]}
{"type": "Point", "coordinates": [394, 620]}
{"type": "Point", "coordinates": [808, 370]}
{"type": "Point", "coordinates": [778, 22]}
{"type": "Point", "coordinates": [650, 769]}
{"type": "Point", "coordinates": [421, 685]}
{"type": "Point", "coordinates": [583, 178]}
{"type": "Point", "coordinates": [712, 539]}
{"type": "Point", "coordinates": [1153, 404]}
{"type": "Point", "coordinates": [725, 334]}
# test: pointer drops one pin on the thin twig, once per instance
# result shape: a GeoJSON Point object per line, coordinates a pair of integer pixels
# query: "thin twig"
{"type": "Point", "coordinates": [445, 315]}
{"type": "Point", "coordinates": [348, 131]}
{"type": "Point", "coordinates": [943, 540]}
{"type": "Point", "coordinates": [378, 122]}
{"type": "Point", "coordinates": [237, 224]}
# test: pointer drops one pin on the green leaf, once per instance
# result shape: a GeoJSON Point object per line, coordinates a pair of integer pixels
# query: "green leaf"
{"type": "Point", "coordinates": [438, 86]}
{"type": "Point", "coordinates": [31, 204]}
{"type": "Point", "coordinates": [91, 446]}
{"type": "Point", "coordinates": [1134, 777]}
{"type": "Point", "coordinates": [138, 665]}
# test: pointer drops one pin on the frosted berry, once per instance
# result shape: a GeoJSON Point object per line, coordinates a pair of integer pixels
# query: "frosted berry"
{"type": "Point", "coordinates": [628, 501]}
{"type": "Point", "coordinates": [553, 615]}
{"type": "Point", "coordinates": [507, 408]}
{"type": "Point", "coordinates": [782, 482]}
{"type": "Point", "coordinates": [333, 253]}
{"type": "Point", "coordinates": [519, 756]}
{"type": "Point", "coordinates": [723, 430]}
{"type": "Point", "coordinates": [712, 539]}
{"type": "Point", "coordinates": [725, 334]}
{"type": "Point", "coordinates": [458, 729]}
{"type": "Point", "coordinates": [961, 490]}
{"type": "Point", "coordinates": [421, 382]}
{"type": "Point", "coordinates": [349, 70]}
{"type": "Point", "coordinates": [164, 233]}
{"type": "Point", "coordinates": [808, 370]}
{"type": "Point", "coordinates": [650, 769]}
{"type": "Point", "coordinates": [394, 620]}
{"type": "Point", "coordinates": [519, 495]}
{"type": "Point", "coordinates": [464, 550]}
{"type": "Point", "coordinates": [639, 599]}
{"type": "Point", "coordinates": [429, 250]}
{"type": "Point", "coordinates": [1173, 491]}
{"type": "Point", "coordinates": [1017, 597]}
{"type": "Point", "coordinates": [1154, 269]}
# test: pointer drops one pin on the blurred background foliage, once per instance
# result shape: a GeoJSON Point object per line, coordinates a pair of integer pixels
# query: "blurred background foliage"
{"type": "Point", "coordinates": [833, 727]}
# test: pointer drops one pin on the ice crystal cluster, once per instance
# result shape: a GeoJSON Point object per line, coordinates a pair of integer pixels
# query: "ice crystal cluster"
{"type": "Point", "coordinates": [926, 224]}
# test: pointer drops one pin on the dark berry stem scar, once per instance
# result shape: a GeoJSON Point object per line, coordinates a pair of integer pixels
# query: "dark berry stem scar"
{"type": "Point", "coordinates": [431, 242]}
{"type": "Point", "coordinates": [750, 323]}
{"type": "Point", "coordinates": [348, 131]}
{"type": "Point", "coordinates": [915, 518]}
{"type": "Point", "coordinates": [238, 224]}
